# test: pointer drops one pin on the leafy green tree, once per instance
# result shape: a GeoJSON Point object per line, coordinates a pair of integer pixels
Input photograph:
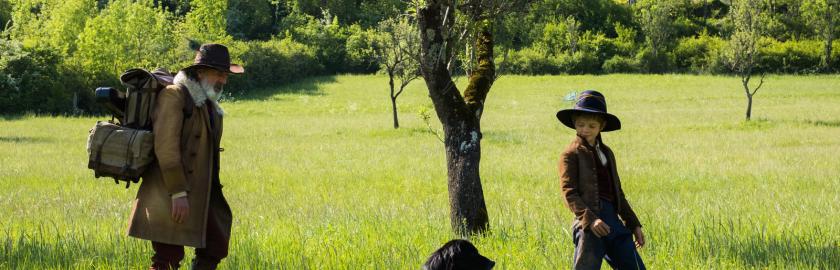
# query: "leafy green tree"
{"type": "Point", "coordinates": [31, 80]}
{"type": "Point", "coordinates": [5, 13]}
{"type": "Point", "coordinates": [460, 114]}
{"type": "Point", "coordinates": [655, 19]}
{"type": "Point", "coordinates": [252, 19]}
{"type": "Point", "coordinates": [64, 24]}
{"type": "Point", "coordinates": [822, 15]}
{"type": "Point", "coordinates": [126, 34]}
{"type": "Point", "coordinates": [398, 50]}
{"type": "Point", "coordinates": [742, 50]}
{"type": "Point", "coordinates": [207, 21]}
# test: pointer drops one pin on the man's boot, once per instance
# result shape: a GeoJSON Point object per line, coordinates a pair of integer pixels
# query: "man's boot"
{"type": "Point", "coordinates": [203, 264]}
{"type": "Point", "coordinates": [163, 266]}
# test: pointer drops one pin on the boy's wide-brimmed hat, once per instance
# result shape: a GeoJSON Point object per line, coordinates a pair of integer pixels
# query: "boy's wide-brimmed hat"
{"type": "Point", "coordinates": [592, 102]}
{"type": "Point", "coordinates": [215, 56]}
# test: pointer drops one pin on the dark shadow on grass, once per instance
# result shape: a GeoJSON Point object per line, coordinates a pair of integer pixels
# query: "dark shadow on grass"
{"type": "Point", "coordinates": [13, 117]}
{"type": "Point", "coordinates": [306, 86]}
{"type": "Point", "coordinates": [821, 123]}
{"type": "Point", "coordinates": [19, 139]}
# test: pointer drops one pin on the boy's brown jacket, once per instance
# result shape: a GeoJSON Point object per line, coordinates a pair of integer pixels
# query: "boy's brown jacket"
{"type": "Point", "coordinates": [579, 182]}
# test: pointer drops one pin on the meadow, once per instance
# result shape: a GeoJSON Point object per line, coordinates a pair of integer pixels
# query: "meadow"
{"type": "Point", "coordinates": [318, 178]}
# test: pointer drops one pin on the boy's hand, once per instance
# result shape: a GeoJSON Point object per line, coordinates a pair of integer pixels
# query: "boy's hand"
{"type": "Point", "coordinates": [600, 228]}
{"type": "Point", "coordinates": [640, 237]}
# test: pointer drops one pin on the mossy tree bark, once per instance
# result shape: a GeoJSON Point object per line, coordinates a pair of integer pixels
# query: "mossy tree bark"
{"type": "Point", "coordinates": [460, 115]}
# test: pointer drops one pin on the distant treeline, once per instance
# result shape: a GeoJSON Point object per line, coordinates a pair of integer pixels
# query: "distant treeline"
{"type": "Point", "coordinates": [53, 53]}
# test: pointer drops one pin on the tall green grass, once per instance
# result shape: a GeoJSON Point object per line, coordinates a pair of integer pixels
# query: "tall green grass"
{"type": "Point", "coordinates": [318, 179]}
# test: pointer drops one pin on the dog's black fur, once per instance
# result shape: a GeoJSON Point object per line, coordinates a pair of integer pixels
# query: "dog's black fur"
{"type": "Point", "coordinates": [458, 255]}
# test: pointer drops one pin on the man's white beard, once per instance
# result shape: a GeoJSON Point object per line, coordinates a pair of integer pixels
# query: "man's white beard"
{"type": "Point", "coordinates": [210, 89]}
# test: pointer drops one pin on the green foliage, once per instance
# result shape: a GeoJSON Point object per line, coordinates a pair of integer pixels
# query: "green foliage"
{"type": "Point", "coordinates": [252, 19]}
{"type": "Point", "coordinates": [625, 40]}
{"type": "Point", "coordinates": [789, 57]}
{"type": "Point", "coordinates": [742, 49]}
{"type": "Point", "coordinates": [5, 13]}
{"type": "Point", "coordinates": [324, 34]}
{"type": "Point", "coordinates": [656, 19]}
{"type": "Point", "coordinates": [65, 23]}
{"type": "Point", "coordinates": [31, 80]}
{"type": "Point", "coordinates": [361, 49]}
{"type": "Point", "coordinates": [701, 54]}
{"type": "Point", "coordinates": [621, 64]}
{"type": "Point", "coordinates": [207, 21]}
{"type": "Point", "coordinates": [126, 34]}
{"type": "Point", "coordinates": [531, 61]}
{"type": "Point", "coordinates": [274, 62]}
{"type": "Point", "coordinates": [96, 40]}
{"type": "Point", "coordinates": [580, 62]}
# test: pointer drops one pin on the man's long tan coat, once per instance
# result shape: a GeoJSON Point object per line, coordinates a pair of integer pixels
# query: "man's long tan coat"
{"type": "Point", "coordinates": [187, 150]}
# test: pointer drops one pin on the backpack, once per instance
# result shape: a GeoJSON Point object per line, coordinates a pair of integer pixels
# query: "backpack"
{"type": "Point", "coordinates": [123, 147]}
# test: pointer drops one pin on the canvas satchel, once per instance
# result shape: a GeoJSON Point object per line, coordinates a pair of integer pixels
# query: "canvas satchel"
{"type": "Point", "coordinates": [119, 152]}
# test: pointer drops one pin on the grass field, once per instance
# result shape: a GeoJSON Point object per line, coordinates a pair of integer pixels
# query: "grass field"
{"type": "Point", "coordinates": [318, 179]}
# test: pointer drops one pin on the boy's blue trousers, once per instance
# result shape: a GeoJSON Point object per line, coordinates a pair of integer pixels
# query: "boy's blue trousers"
{"type": "Point", "coordinates": [617, 247]}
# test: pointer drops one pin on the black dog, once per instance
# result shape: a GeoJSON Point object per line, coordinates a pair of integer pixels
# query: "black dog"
{"type": "Point", "coordinates": [458, 255]}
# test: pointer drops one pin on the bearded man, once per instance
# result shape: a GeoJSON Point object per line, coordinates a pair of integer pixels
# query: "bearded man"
{"type": "Point", "coordinates": [180, 201]}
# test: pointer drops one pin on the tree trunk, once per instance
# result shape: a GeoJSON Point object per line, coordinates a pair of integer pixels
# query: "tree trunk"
{"type": "Point", "coordinates": [460, 115]}
{"type": "Point", "coordinates": [829, 36]}
{"type": "Point", "coordinates": [745, 79]}
{"type": "Point", "coordinates": [749, 106]}
{"type": "Point", "coordinates": [393, 98]}
{"type": "Point", "coordinates": [467, 210]}
{"type": "Point", "coordinates": [394, 107]}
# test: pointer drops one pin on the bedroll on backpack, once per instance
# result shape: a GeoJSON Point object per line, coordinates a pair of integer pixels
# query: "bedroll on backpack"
{"type": "Point", "coordinates": [123, 149]}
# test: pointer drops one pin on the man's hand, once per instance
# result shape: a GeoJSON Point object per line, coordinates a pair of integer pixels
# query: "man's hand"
{"type": "Point", "coordinates": [180, 209]}
{"type": "Point", "coordinates": [640, 237]}
{"type": "Point", "coordinates": [600, 228]}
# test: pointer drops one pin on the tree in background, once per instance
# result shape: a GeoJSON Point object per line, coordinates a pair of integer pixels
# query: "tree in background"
{"type": "Point", "coordinates": [126, 34]}
{"type": "Point", "coordinates": [207, 21]}
{"type": "Point", "coordinates": [656, 21]}
{"type": "Point", "coordinates": [742, 49]}
{"type": "Point", "coordinates": [398, 51]}
{"type": "Point", "coordinates": [5, 14]}
{"type": "Point", "coordinates": [460, 114]}
{"type": "Point", "coordinates": [253, 19]}
{"type": "Point", "coordinates": [821, 14]}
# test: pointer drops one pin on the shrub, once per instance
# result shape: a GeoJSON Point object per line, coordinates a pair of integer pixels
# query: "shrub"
{"type": "Point", "coordinates": [789, 57]}
{"type": "Point", "coordinates": [532, 62]}
{"type": "Point", "coordinates": [621, 64]}
{"type": "Point", "coordinates": [581, 62]}
{"type": "Point", "coordinates": [361, 56]}
{"type": "Point", "coordinates": [699, 54]}
{"type": "Point", "coordinates": [274, 62]}
{"type": "Point", "coordinates": [325, 35]}
{"type": "Point", "coordinates": [654, 63]}
{"type": "Point", "coordinates": [31, 81]}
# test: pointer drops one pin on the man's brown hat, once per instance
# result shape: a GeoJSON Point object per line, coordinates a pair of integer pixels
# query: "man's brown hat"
{"type": "Point", "coordinates": [215, 56]}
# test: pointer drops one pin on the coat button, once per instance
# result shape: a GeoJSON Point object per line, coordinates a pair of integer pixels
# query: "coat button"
{"type": "Point", "coordinates": [189, 171]}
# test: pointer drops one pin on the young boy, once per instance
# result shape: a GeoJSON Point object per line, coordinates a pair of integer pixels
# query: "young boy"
{"type": "Point", "coordinates": [592, 190]}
